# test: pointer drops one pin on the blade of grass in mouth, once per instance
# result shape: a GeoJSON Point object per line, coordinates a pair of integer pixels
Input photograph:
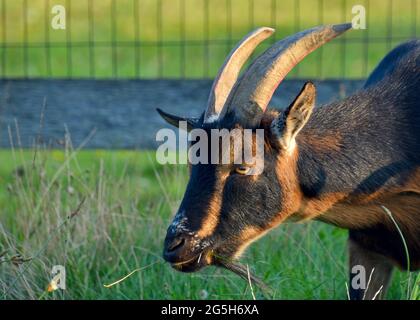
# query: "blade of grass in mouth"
{"type": "Point", "coordinates": [244, 273]}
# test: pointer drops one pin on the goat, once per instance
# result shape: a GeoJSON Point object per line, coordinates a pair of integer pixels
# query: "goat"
{"type": "Point", "coordinates": [340, 163]}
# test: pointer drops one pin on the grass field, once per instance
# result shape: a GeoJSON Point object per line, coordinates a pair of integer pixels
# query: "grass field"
{"type": "Point", "coordinates": [188, 38]}
{"type": "Point", "coordinates": [121, 203]}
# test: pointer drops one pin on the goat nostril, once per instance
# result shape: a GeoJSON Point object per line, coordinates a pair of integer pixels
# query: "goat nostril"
{"type": "Point", "coordinates": [177, 243]}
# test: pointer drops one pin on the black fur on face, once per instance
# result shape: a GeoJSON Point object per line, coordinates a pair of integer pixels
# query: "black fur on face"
{"type": "Point", "coordinates": [222, 211]}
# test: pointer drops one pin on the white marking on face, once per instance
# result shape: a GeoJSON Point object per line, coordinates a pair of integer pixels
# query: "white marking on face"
{"type": "Point", "coordinates": [179, 224]}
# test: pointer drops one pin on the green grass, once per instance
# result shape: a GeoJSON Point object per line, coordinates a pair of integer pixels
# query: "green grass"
{"type": "Point", "coordinates": [128, 203]}
{"type": "Point", "coordinates": [165, 25]}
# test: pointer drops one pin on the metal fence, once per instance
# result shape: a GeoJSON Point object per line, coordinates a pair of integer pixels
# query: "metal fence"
{"type": "Point", "coordinates": [187, 38]}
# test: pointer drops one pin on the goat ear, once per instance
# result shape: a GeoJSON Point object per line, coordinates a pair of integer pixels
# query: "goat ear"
{"type": "Point", "coordinates": [291, 121]}
{"type": "Point", "coordinates": [174, 120]}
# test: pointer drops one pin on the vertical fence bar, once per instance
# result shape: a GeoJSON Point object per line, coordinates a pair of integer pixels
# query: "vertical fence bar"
{"type": "Point", "coordinates": [389, 26]}
{"type": "Point", "coordinates": [68, 39]}
{"type": "Point", "coordinates": [159, 35]}
{"type": "Point", "coordinates": [297, 29]}
{"type": "Point", "coordinates": [251, 21]}
{"type": "Point", "coordinates": [25, 38]}
{"type": "Point", "coordinates": [114, 40]}
{"type": "Point", "coordinates": [182, 17]}
{"type": "Point", "coordinates": [229, 23]}
{"type": "Point", "coordinates": [251, 14]}
{"type": "Point", "coordinates": [273, 17]}
{"type": "Point", "coordinates": [47, 38]}
{"type": "Point", "coordinates": [321, 50]}
{"type": "Point", "coordinates": [206, 39]}
{"type": "Point", "coordinates": [92, 71]}
{"type": "Point", "coordinates": [414, 18]}
{"type": "Point", "coordinates": [366, 40]}
{"type": "Point", "coordinates": [136, 38]}
{"type": "Point", "coordinates": [343, 44]}
{"type": "Point", "coordinates": [4, 46]}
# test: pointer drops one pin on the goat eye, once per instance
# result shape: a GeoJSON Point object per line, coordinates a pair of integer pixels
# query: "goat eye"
{"type": "Point", "coordinates": [242, 170]}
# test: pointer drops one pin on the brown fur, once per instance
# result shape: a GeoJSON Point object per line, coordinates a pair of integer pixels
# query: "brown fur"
{"type": "Point", "coordinates": [247, 236]}
{"type": "Point", "coordinates": [211, 218]}
{"type": "Point", "coordinates": [286, 171]}
{"type": "Point", "coordinates": [323, 144]}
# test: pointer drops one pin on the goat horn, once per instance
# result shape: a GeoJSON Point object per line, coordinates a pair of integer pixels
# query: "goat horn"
{"type": "Point", "coordinates": [228, 73]}
{"type": "Point", "coordinates": [258, 83]}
